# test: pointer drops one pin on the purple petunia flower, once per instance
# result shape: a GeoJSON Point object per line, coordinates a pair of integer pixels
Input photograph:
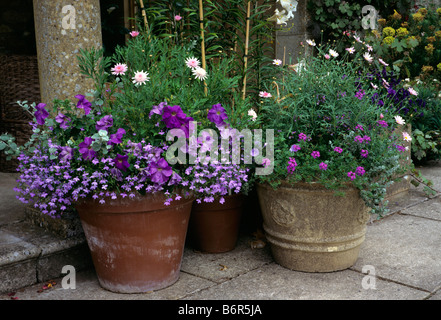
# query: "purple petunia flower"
{"type": "Point", "coordinates": [41, 113]}
{"type": "Point", "coordinates": [104, 123]}
{"type": "Point", "coordinates": [121, 162]}
{"type": "Point", "coordinates": [62, 120]}
{"type": "Point", "coordinates": [86, 150]}
{"type": "Point", "coordinates": [157, 109]}
{"type": "Point", "coordinates": [116, 138]}
{"type": "Point", "coordinates": [217, 115]}
{"type": "Point", "coordinates": [160, 171]}
{"type": "Point", "coordinates": [323, 166]}
{"type": "Point", "coordinates": [83, 103]}
{"type": "Point", "coordinates": [173, 117]}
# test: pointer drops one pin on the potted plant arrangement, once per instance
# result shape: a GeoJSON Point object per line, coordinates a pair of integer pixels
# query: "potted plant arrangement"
{"type": "Point", "coordinates": [106, 154]}
{"type": "Point", "coordinates": [335, 152]}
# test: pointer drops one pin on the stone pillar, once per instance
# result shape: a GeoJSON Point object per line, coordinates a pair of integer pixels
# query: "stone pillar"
{"type": "Point", "coordinates": [62, 27]}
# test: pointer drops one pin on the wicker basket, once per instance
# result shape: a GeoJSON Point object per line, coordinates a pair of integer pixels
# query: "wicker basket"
{"type": "Point", "coordinates": [19, 80]}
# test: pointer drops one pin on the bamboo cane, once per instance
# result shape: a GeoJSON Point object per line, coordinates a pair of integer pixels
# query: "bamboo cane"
{"type": "Point", "coordinates": [141, 2]}
{"type": "Point", "coordinates": [245, 62]}
{"type": "Point", "coordinates": [201, 24]}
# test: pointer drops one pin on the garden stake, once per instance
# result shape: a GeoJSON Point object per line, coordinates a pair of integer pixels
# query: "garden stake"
{"type": "Point", "coordinates": [145, 18]}
{"type": "Point", "coordinates": [201, 23]}
{"type": "Point", "coordinates": [247, 35]}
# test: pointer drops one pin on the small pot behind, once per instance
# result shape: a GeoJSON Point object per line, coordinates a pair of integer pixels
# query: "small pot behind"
{"type": "Point", "coordinates": [214, 227]}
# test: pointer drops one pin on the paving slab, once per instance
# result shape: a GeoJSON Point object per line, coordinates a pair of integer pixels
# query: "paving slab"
{"type": "Point", "coordinates": [431, 209]}
{"type": "Point", "coordinates": [274, 282]}
{"type": "Point", "coordinates": [220, 267]}
{"type": "Point", "coordinates": [88, 288]}
{"type": "Point", "coordinates": [405, 249]}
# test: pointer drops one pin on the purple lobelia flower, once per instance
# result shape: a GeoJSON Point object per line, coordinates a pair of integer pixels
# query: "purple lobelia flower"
{"type": "Point", "coordinates": [83, 103]}
{"type": "Point", "coordinates": [217, 115]}
{"type": "Point", "coordinates": [62, 120]}
{"type": "Point", "coordinates": [160, 171]}
{"type": "Point", "coordinates": [41, 113]}
{"type": "Point", "coordinates": [173, 117]}
{"type": "Point", "coordinates": [116, 138]}
{"type": "Point", "coordinates": [86, 150]}
{"type": "Point", "coordinates": [121, 162]}
{"type": "Point", "coordinates": [104, 123]}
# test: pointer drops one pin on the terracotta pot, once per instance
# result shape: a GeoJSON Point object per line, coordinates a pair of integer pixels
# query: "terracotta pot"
{"type": "Point", "coordinates": [136, 244]}
{"type": "Point", "coordinates": [214, 227]}
{"type": "Point", "coordinates": [311, 229]}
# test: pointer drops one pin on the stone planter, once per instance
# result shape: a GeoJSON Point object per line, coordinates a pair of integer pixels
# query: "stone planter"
{"type": "Point", "coordinates": [401, 186]}
{"type": "Point", "coordinates": [311, 229]}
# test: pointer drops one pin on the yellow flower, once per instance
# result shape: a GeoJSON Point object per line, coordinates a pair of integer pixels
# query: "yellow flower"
{"type": "Point", "coordinates": [422, 11]}
{"type": "Point", "coordinates": [396, 15]}
{"type": "Point", "coordinates": [429, 48]}
{"type": "Point", "coordinates": [431, 39]}
{"type": "Point", "coordinates": [438, 11]}
{"type": "Point", "coordinates": [389, 32]}
{"type": "Point", "coordinates": [388, 40]}
{"type": "Point", "coordinates": [382, 22]}
{"type": "Point", "coordinates": [439, 66]}
{"type": "Point", "coordinates": [438, 34]}
{"type": "Point", "coordinates": [418, 17]}
{"type": "Point", "coordinates": [402, 32]}
{"type": "Point", "coordinates": [427, 69]}
{"type": "Point", "coordinates": [405, 24]}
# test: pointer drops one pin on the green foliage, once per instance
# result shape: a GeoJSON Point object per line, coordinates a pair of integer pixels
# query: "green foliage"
{"type": "Point", "coordinates": [333, 17]}
{"type": "Point", "coordinates": [320, 108]}
{"type": "Point", "coordinates": [410, 42]}
{"type": "Point", "coordinates": [426, 130]}
{"type": "Point", "coordinates": [224, 27]}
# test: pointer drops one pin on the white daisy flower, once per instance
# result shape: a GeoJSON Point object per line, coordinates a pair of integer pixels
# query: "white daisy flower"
{"type": "Point", "coordinates": [399, 120]}
{"type": "Point", "coordinates": [140, 78]}
{"type": "Point", "coordinates": [368, 57]}
{"type": "Point", "coordinates": [333, 53]}
{"type": "Point", "coordinates": [200, 73]}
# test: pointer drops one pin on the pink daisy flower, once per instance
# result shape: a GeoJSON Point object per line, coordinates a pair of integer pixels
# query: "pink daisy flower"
{"type": "Point", "coordinates": [265, 94]}
{"type": "Point", "coordinates": [192, 62]}
{"type": "Point", "coordinates": [119, 69]}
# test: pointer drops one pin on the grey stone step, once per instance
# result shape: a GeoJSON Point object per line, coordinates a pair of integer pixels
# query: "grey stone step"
{"type": "Point", "coordinates": [29, 255]}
